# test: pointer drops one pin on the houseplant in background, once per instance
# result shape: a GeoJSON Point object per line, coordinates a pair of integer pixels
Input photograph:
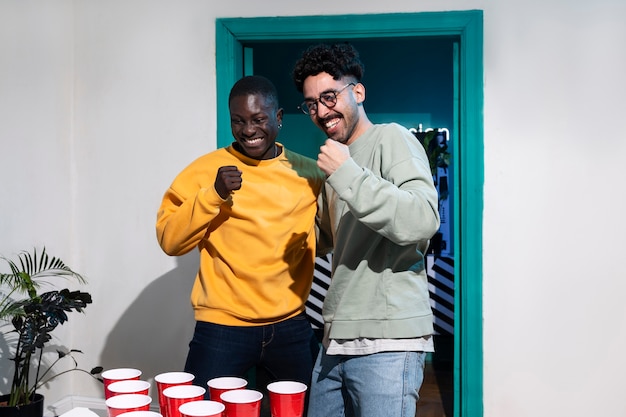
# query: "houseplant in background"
{"type": "Point", "coordinates": [435, 144]}
{"type": "Point", "coordinates": [436, 147]}
{"type": "Point", "coordinates": [31, 315]}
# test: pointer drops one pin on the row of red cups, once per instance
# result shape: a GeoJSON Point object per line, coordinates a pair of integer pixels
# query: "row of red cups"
{"type": "Point", "coordinates": [229, 397]}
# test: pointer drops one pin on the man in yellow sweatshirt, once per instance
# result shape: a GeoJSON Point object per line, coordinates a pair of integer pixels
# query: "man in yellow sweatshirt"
{"type": "Point", "coordinates": [250, 211]}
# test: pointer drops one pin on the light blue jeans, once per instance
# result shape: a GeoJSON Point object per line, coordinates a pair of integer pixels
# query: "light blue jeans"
{"type": "Point", "coordinates": [379, 385]}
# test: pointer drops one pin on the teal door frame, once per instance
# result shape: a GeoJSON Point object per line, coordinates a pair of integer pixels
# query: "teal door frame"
{"type": "Point", "coordinates": [467, 26]}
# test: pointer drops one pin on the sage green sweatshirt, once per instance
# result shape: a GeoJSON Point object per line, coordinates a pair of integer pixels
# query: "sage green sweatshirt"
{"type": "Point", "coordinates": [382, 211]}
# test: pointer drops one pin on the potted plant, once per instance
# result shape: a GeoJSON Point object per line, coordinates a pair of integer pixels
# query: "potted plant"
{"type": "Point", "coordinates": [436, 147]}
{"type": "Point", "coordinates": [31, 316]}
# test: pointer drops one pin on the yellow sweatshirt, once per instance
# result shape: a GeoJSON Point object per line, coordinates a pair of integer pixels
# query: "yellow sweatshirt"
{"type": "Point", "coordinates": [257, 248]}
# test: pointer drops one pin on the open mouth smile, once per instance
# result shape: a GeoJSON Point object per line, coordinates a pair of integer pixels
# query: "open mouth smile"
{"type": "Point", "coordinates": [329, 124]}
{"type": "Point", "coordinates": [253, 141]}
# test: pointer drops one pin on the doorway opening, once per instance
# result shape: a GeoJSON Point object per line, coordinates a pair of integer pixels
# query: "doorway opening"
{"type": "Point", "coordinates": [242, 42]}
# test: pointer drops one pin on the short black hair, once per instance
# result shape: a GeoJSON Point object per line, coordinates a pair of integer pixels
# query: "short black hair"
{"type": "Point", "coordinates": [255, 84]}
{"type": "Point", "coordinates": [338, 60]}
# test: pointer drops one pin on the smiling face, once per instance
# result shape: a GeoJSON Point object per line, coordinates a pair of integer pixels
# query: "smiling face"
{"type": "Point", "coordinates": [254, 123]}
{"type": "Point", "coordinates": [344, 121]}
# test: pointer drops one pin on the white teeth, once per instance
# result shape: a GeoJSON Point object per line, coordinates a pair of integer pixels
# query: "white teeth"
{"type": "Point", "coordinates": [254, 141]}
{"type": "Point", "coordinates": [332, 123]}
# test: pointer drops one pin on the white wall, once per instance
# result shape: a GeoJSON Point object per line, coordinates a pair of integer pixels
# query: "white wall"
{"type": "Point", "coordinates": [102, 103]}
{"type": "Point", "coordinates": [553, 256]}
{"type": "Point", "coordinates": [36, 145]}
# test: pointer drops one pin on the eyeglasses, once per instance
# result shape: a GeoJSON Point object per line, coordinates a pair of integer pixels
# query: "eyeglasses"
{"type": "Point", "coordinates": [328, 99]}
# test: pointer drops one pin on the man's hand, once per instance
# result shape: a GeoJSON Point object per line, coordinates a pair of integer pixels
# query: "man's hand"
{"type": "Point", "coordinates": [228, 179]}
{"type": "Point", "coordinates": [332, 155]}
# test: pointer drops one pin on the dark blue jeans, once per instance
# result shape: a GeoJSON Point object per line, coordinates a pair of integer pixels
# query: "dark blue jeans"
{"type": "Point", "coordinates": [286, 350]}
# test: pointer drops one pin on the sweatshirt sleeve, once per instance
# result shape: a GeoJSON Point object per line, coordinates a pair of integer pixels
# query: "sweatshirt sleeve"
{"type": "Point", "coordinates": [185, 215]}
{"type": "Point", "coordinates": [398, 200]}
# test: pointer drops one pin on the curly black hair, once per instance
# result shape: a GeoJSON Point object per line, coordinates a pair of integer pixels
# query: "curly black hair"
{"type": "Point", "coordinates": [255, 84]}
{"type": "Point", "coordinates": [338, 60]}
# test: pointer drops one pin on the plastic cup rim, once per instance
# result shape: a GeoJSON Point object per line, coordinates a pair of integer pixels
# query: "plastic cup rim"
{"type": "Point", "coordinates": [138, 413]}
{"type": "Point", "coordinates": [110, 402]}
{"type": "Point", "coordinates": [298, 387]}
{"type": "Point", "coordinates": [134, 373]}
{"type": "Point", "coordinates": [171, 392]}
{"type": "Point", "coordinates": [183, 409]}
{"type": "Point", "coordinates": [142, 385]}
{"type": "Point", "coordinates": [251, 396]}
{"type": "Point", "coordinates": [183, 377]}
{"type": "Point", "coordinates": [235, 382]}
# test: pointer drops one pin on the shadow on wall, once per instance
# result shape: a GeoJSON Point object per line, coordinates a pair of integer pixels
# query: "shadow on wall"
{"type": "Point", "coordinates": [6, 339]}
{"type": "Point", "coordinates": [154, 332]}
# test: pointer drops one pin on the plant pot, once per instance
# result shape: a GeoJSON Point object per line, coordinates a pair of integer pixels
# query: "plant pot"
{"type": "Point", "coordinates": [34, 409]}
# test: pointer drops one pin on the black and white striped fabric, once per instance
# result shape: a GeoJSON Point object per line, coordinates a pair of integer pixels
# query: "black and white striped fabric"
{"type": "Point", "coordinates": [440, 270]}
{"type": "Point", "coordinates": [321, 282]}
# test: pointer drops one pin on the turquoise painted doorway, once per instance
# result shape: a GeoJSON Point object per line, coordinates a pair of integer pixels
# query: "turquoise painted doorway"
{"type": "Point", "coordinates": [233, 55]}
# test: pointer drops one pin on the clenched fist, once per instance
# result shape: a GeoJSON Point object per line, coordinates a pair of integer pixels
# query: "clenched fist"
{"type": "Point", "coordinates": [332, 155]}
{"type": "Point", "coordinates": [227, 180]}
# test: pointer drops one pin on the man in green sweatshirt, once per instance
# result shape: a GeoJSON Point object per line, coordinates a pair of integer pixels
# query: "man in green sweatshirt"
{"type": "Point", "coordinates": [382, 211]}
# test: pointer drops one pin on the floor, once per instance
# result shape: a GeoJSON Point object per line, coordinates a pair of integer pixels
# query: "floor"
{"type": "Point", "coordinates": [437, 392]}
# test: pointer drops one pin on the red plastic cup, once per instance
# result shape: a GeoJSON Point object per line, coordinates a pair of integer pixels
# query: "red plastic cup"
{"type": "Point", "coordinates": [180, 394]}
{"type": "Point", "coordinates": [124, 403]}
{"type": "Point", "coordinates": [129, 386]}
{"type": "Point", "coordinates": [118, 374]}
{"type": "Point", "coordinates": [202, 408]}
{"type": "Point", "coordinates": [170, 379]}
{"type": "Point", "coordinates": [218, 386]}
{"type": "Point", "coordinates": [242, 403]}
{"type": "Point", "coordinates": [287, 398]}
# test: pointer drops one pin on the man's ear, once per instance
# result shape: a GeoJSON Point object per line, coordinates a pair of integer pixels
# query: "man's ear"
{"type": "Point", "coordinates": [359, 93]}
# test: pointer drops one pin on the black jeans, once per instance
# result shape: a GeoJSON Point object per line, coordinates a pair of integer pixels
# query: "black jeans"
{"type": "Point", "coordinates": [286, 350]}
